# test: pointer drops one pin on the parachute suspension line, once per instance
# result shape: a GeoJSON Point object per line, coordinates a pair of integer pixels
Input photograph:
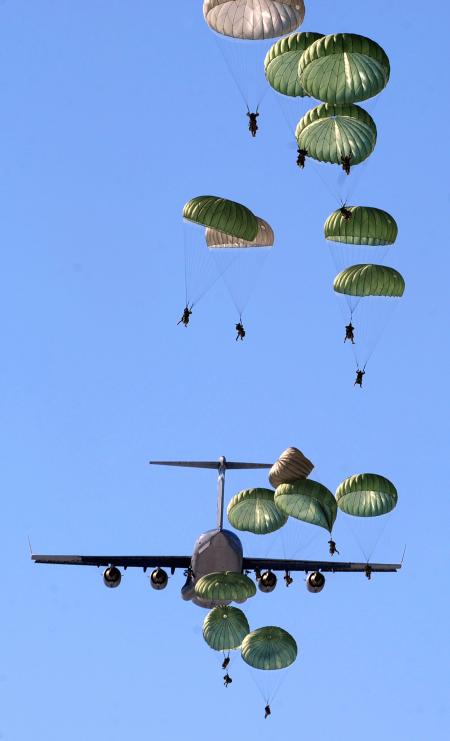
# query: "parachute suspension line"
{"type": "Point", "coordinates": [360, 545]}
{"type": "Point", "coordinates": [352, 308]}
{"type": "Point", "coordinates": [355, 355]}
{"type": "Point", "coordinates": [299, 545]}
{"type": "Point", "coordinates": [364, 321]}
{"type": "Point", "coordinates": [284, 114]}
{"type": "Point", "coordinates": [207, 289]}
{"type": "Point", "coordinates": [353, 182]}
{"type": "Point", "coordinates": [316, 169]}
{"type": "Point", "coordinates": [263, 694]}
{"type": "Point", "coordinates": [279, 685]}
{"type": "Point", "coordinates": [255, 276]}
{"type": "Point", "coordinates": [273, 542]}
{"type": "Point", "coordinates": [315, 165]}
{"type": "Point", "coordinates": [283, 544]}
{"type": "Point", "coordinates": [231, 71]}
{"type": "Point", "coordinates": [374, 345]}
{"type": "Point", "coordinates": [221, 274]}
{"type": "Point", "coordinates": [306, 544]}
{"type": "Point", "coordinates": [293, 547]}
{"type": "Point", "coordinates": [372, 546]}
{"type": "Point", "coordinates": [218, 276]}
{"type": "Point", "coordinates": [202, 271]}
{"type": "Point", "coordinates": [362, 167]}
{"type": "Point", "coordinates": [382, 531]}
{"type": "Point", "coordinates": [261, 98]}
{"type": "Point", "coordinates": [353, 305]}
{"type": "Point", "coordinates": [185, 269]}
{"type": "Point", "coordinates": [240, 294]}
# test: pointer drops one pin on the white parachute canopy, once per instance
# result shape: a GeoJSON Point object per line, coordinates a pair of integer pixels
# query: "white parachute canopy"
{"type": "Point", "coordinates": [253, 19]}
{"type": "Point", "coordinates": [243, 33]}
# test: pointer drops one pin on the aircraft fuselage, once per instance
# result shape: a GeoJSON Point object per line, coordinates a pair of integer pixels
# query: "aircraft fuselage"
{"type": "Point", "coordinates": [215, 550]}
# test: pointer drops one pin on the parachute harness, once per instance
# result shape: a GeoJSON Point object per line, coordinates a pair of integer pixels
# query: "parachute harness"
{"type": "Point", "coordinates": [226, 659]}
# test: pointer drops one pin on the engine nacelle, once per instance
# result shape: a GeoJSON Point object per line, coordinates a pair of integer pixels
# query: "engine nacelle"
{"type": "Point", "coordinates": [315, 581]}
{"type": "Point", "coordinates": [112, 577]}
{"type": "Point", "coordinates": [267, 582]}
{"type": "Point", "coordinates": [159, 579]}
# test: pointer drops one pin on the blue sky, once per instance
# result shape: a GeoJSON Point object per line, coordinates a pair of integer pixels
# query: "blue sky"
{"type": "Point", "coordinates": [114, 114]}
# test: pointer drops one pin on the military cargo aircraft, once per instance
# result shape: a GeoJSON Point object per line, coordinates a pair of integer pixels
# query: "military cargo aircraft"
{"type": "Point", "coordinates": [214, 551]}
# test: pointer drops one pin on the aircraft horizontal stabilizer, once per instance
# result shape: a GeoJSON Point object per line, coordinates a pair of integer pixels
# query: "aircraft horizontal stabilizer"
{"type": "Point", "coordinates": [211, 464]}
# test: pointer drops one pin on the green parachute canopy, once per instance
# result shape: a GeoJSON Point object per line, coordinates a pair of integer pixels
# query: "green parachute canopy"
{"type": "Point", "coordinates": [269, 648]}
{"type": "Point", "coordinates": [281, 62]}
{"type": "Point", "coordinates": [308, 501]}
{"type": "Point", "coordinates": [225, 586]}
{"type": "Point", "coordinates": [290, 466]}
{"type": "Point", "coordinates": [330, 132]}
{"type": "Point", "coordinates": [226, 216]}
{"type": "Point", "coordinates": [369, 280]}
{"type": "Point", "coordinates": [366, 495]}
{"type": "Point", "coordinates": [224, 628]}
{"type": "Point", "coordinates": [246, 19]}
{"type": "Point", "coordinates": [344, 68]}
{"type": "Point", "coordinates": [264, 237]}
{"type": "Point", "coordinates": [254, 510]}
{"type": "Point", "coordinates": [366, 225]}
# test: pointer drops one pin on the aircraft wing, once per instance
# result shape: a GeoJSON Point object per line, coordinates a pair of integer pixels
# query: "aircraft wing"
{"type": "Point", "coordinates": [141, 562]}
{"type": "Point", "coordinates": [183, 562]}
{"type": "Point", "coordinates": [282, 564]}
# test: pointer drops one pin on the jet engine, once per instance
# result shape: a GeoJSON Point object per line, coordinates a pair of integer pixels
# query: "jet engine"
{"type": "Point", "coordinates": [315, 581]}
{"type": "Point", "coordinates": [159, 579]}
{"type": "Point", "coordinates": [112, 577]}
{"type": "Point", "coordinates": [267, 581]}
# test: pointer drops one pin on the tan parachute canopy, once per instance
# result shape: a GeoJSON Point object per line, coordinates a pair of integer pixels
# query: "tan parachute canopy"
{"type": "Point", "coordinates": [264, 237]}
{"type": "Point", "coordinates": [290, 466]}
{"type": "Point", "coordinates": [251, 20]}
